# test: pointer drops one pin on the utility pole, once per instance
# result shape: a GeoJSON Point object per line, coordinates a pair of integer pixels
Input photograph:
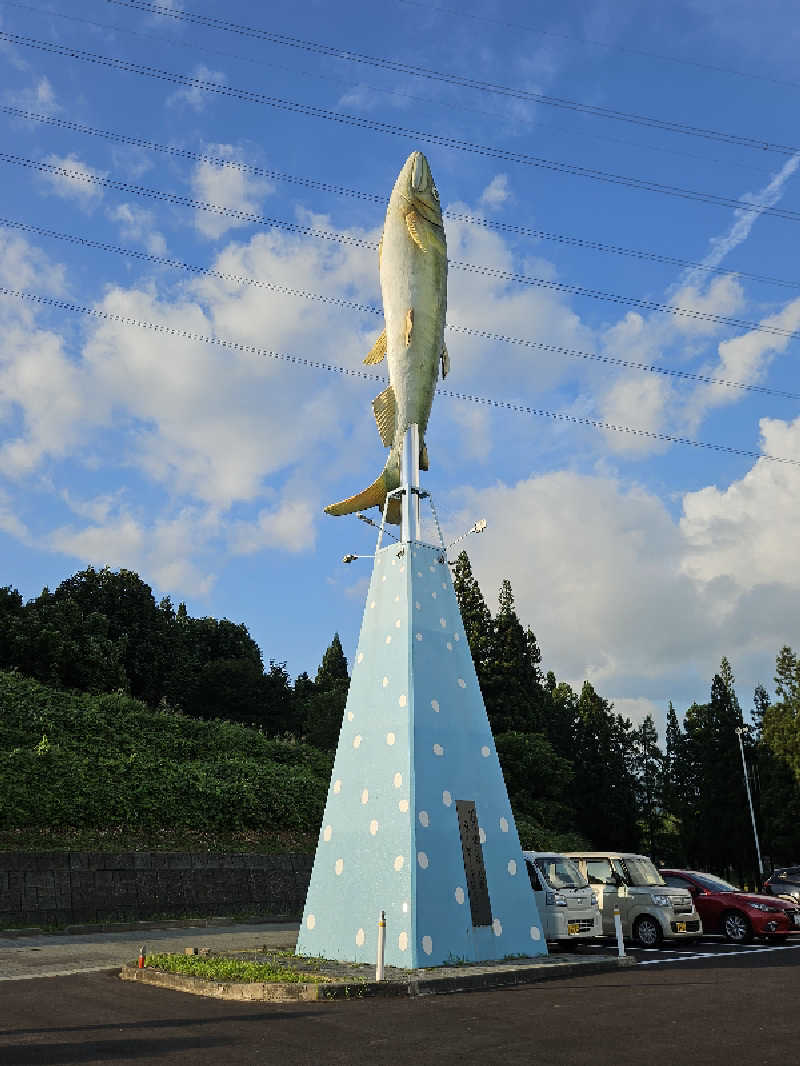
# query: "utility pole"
{"type": "Point", "coordinates": [739, 732]}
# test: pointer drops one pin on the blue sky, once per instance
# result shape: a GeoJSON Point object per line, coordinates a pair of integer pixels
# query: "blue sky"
{"type": "Point", "coordinates": [637, 562]}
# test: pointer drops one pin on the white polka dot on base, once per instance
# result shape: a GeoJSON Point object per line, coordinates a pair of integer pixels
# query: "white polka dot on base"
{"type": "Point", "coordinates": [418, 605]}
{"type": "Point", "coordinates": [327, 833]}
{"type": "Point", "coordinates": [337, 786]}
{"type": "Point", "coordinates": [383, 578]}
{"type": "Point", "coordinates": [311, 921]}
{"type": "Point", "coordinates": [360, 657]}
{"type": "Point", "coordinates": [350, 716]}
{"type": "Point", "coordinates": [459, 894]}
{"type": "Point", "coordinates": [398, 780]}
{"type": "Point", "coordinates": [372, 605]}
{"type": "Point", "coordinates": [432, 569]}
{"type": "Point", "coordinates": [398, 862]}
{"type": "Point", "coordinates": [447, 799]}
{"type": "Point", "coordinates": [422, 859]}
{"type": "Point", "coordinates": [419, 573]}
{"type": "Point", "coordinates": [403, 806]}
{"type": "Point", "coordinates": [360, 937]}
{"type": "Point", "coordinates": [433, 594]}
{"type": "Point", "coordinates": [443, 623]}
{"type": "Point", "coordinates": [389, 639]}
{"type": "Point", "coordinates": [503, 825]}
{"type": "Point", "coordinates": [402, 700]}
{"type": "Point", "coordinates": [373, 827]}
{"type": "Point", "coordinates": [424, 820]}
{"type": "Point", "coordinates": [339, 867]}
{"type": "Point", "coordinates": [402, 941]}
{"type": "Point", "coordinates": [536, 933]}
{"type": "Point", "coordinates": [449, 646]}
{"type": "Point", "coordinates": [435, 705]}
{"type": "Point", "coordinates": [456, 636]}
{"type": "Point", "coordinates": [485, 752]}
{"type": "Point", "coordinates": [398, 623]}
{"type": "Point", "coordinates": [385, 682]}
{"type": "Point", "coordinates": [512, 867]}
{"type": "Point", "coordinates": [419, 636]}
{"type": "Point", "coordinates": [390, 739]}
{"type": "Point", "coordinates": [357, 740]}
{"type": "Point", "coordinates": [462, 683]}
{"type": "Point", "coordinates": [497, 927]}
{"type": "Point", "coordinates": [405, 907]}
{"type": "Point", "coordinates": [365, 796]}
{"type": "Point", "coordinates": [438, 749]}
{"type": "Point", "coordinates": [427, 945]}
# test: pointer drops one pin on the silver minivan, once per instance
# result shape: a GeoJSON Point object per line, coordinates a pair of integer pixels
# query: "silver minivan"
{"type": "Point", "coordinates": [650, 910]}
{"type": "Point", "coordinates": [568, 908]}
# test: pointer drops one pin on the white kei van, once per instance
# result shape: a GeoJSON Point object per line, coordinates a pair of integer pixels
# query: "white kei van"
{"type": "Point", "coordinates": [568, 908]}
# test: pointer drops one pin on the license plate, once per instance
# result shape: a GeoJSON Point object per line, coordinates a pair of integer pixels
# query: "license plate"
{"type": "Point", "coordinates": [680, 927]}
{"type": "Point", "coordinates": [573, 928]}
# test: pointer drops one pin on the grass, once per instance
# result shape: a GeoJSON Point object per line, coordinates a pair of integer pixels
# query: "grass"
{"type": "Point", "coordinates": [222, 969]}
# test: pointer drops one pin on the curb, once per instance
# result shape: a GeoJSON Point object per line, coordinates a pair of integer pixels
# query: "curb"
{"type": "Point", "coordinates": [143, 926]}
{"type": "Point", "coordinates": [466, 981]}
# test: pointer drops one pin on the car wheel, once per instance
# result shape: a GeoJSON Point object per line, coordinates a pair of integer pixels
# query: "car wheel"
{"type": "Point", "coordinates": [647, 932]}
{"type": "Point", "coordinates": [736, 927]}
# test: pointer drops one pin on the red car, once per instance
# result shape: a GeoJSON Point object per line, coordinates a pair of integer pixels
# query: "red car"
{"type": "Point", "coordinates": [738, 915]}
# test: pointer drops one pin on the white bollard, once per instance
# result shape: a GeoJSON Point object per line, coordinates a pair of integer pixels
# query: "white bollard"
{"type": "Point", "coordinates": [381, 942]}
{"type": "Point", "coordinates": [618, 928]}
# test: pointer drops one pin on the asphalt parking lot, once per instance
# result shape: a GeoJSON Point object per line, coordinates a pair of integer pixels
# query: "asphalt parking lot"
{"type": "Point", "coordinates": [708, 1004]}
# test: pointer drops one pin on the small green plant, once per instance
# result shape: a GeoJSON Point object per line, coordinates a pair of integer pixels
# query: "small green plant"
{"type": "Point", "coordinates": [219, 968]}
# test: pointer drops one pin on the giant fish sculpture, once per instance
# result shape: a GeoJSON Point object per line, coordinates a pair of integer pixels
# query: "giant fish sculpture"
{"type": "Point", "coordinates": [412, 258]}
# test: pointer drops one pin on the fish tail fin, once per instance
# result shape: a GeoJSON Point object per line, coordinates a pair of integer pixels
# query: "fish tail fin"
{"type": "Point", "coordinates": [373, 496]}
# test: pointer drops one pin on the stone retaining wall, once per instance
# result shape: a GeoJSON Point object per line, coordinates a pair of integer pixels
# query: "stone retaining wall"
{"type": "Point", "coordinates": [80, 886]}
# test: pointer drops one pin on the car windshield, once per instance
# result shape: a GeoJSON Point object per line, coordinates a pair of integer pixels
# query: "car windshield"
{"type": "Point", "coordinates": [642, 873]}
{"type": "Point", "coordinates": [714, 884]}
{"type": "Point", "coordinates": [560, 872]}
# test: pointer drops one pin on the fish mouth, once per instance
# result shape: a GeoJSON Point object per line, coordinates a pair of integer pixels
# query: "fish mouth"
{"type": "Point", "coordinates": [422, 191]}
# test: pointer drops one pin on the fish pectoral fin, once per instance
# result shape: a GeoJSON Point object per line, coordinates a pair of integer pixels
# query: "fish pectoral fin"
{"type": "Point", "coordinates": [423, 456]}
{"type": "Point", "coordinates": [409, 325]}
{"type": "Point", "coordinates": [394, 512]}
{"type": "Point", "coordinates": [377, 352]}
{"type": "Point", "coordinates": [445, 361]}
{"type": "Point", "coordinates": [373, 496]}
{"type": "Point", "coordinates": [384, 407]}
{"type": "Point", "coordinates": [414, 226]}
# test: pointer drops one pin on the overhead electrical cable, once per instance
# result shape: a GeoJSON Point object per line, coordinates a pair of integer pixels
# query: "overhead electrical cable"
{"type": "Point", "coordinates": [461, 13]}
{"type": "Point", "coordinates": [253, 349]}
{"type": "Point", "coordinates": [449, 78]}
{"type": "Point", "coordinates": [562, 287]}
{"type": "Point", "coordinates": [361, 122]}
{"type": "Point", "coordinates": [353, 305]}
{"type": "Point", "coordinates": [496, 225]}
{"type": "Point", "coordinates": [427, 101]}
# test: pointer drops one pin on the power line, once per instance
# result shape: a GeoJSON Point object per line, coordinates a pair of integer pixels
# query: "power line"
{"type": "Point", "coordinates": [392, 129]}
{"type": "Point", "coordinates": [125, 320]}
{"type": "Point", "coordinates": [494, 225]}
{"type": "Point", "coordinates": [670, 126]}
{"type": "Point", "coordinates": [426, 100]}
{"type": "Point", "coordinates": [460, 13]}
{"type": "Point", "coordinates": [353, 305]}
{"type": "Point", "coordinates": [561, 287]}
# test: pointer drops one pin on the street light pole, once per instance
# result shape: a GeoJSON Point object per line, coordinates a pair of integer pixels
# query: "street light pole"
{"type": "Point", "coordinates": [739, 732]}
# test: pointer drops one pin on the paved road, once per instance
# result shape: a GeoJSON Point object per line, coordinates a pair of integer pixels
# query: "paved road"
{"type": "Point", "coordinates": [728, 1006]}
{"type": "Point", "coordinates": [59, 956]}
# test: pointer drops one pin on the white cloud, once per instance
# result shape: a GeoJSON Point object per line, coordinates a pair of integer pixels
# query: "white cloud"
{"type": "Point", "coordinates": [195, 96]}
{"type": "Point", "coordinates": [497, 192]}
{"type": "Point", "coordinates": [227, 187]}
{"type": "Point", "coordinates": [39, 97]}
{"type": "Point", "coordinates": [75, 183]}
{"type": "Point", "coordinates": [138, 224]}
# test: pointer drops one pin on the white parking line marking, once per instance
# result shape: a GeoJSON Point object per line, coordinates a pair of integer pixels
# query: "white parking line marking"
{"type": "Point", "coordinates": [58, 973]}
{"type": "Point", "coordinates": [721, 954]}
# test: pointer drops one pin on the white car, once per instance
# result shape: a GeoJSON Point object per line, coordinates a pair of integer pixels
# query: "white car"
{"type": "Point", "coordinates": [568, 908]}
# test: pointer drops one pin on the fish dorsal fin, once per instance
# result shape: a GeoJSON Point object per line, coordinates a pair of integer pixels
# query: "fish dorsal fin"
{"type": "Point", "coordinates": [384, 407]}
{"type": "Point", "coordinates": [445, 361]}
{"type": "Point", "coordinates": [377, 352]}
{"type": "Point", "coordinates": [414, 225]}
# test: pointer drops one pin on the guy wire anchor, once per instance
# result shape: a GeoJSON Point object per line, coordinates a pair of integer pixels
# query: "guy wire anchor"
{"type": "Point", "coordinates": [479, 527]}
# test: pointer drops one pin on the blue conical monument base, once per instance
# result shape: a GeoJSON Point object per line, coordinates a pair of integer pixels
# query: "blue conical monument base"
{"type": "Point", "coordinates": [417, 821]}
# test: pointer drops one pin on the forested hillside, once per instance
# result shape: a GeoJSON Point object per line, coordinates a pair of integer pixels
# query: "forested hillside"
{"type": "Point", "coordinates": [147, 725]}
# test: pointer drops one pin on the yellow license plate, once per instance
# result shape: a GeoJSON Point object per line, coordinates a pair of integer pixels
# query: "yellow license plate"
{"type": "Point", "coordinates": [680, 927]}
{"type": "Point", "coordinates": [573, 928]}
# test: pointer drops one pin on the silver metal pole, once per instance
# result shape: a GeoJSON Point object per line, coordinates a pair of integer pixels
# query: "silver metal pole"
{"type": "Point", "coordinates": [405, 472]}
{"type": "Point", "coordinates": [381, 943]}
{"type": "Point", "coordinates": [414, 481]}
{"type": "Point", "coordinates": [739, 732]}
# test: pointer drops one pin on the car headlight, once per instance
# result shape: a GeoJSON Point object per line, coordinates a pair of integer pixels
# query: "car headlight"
{"type": "Point", "coordinates": [661, 901]}
{"type": "Point", "coordinates": [594, 899]}
{"type": "Point", "coordinates": [762, 907]}
{"type": "Point", "coordinates": [555, 899]}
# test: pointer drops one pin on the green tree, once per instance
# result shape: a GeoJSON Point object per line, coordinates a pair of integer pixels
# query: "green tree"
{"type": "Point", "coordinates": [648, 768]}
{"type": "Point", "coordinates": [475, 615]}
{"type": "Point", "coordinates": [324, 705]}
{"type": "Point", "coordinates": [513, 685]}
